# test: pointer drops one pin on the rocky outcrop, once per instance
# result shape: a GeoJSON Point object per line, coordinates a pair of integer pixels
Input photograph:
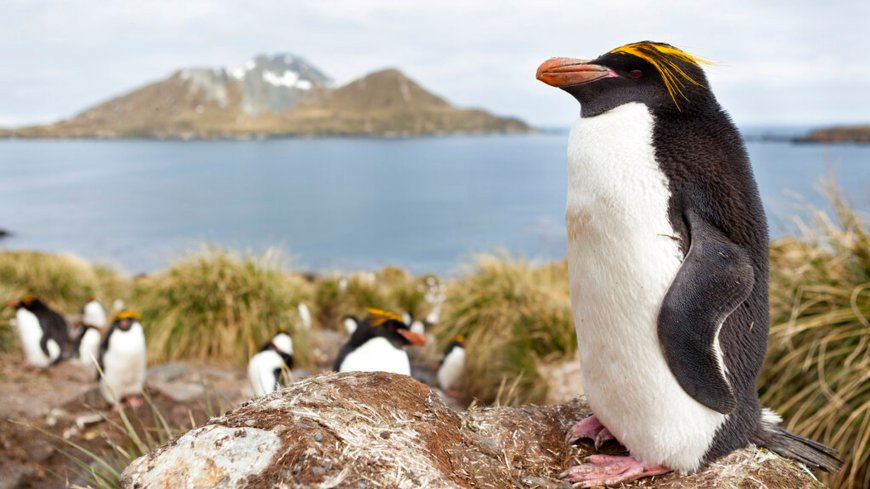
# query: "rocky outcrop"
{"type": "Point", "coordinates": [360, 430]}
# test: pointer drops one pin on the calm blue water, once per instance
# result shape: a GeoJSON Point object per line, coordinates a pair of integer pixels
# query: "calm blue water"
{"type": "Point", "coordinates": [426, 204]}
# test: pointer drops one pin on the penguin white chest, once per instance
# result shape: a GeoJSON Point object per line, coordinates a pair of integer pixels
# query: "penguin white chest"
{"type": "Point", "coordinates": [623, 255]}
{"type": "Point", "coordinates": [30, 331]}
{"type": "Point", "coordinates": [261, 372]}
{"type": "Point", "coordinates": [451, 371]}
{"type": "Point", "coordinates": [89, 348]}
{"type": "Point", "coordinates": [124, 364]}
{"type": "Point", "coordinates": [377, 355]}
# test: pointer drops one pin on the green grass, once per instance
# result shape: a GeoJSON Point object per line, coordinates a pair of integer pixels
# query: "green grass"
{"type": "Point", "coordinates": [219, 305]}
{"type": "Point", "coordinates": [817, 374]}
{"type": "Point", "coordinates": [513, 314]}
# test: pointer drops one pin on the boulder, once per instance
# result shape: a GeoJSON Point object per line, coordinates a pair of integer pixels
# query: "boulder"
{"type": "Point", "coordinates": [367, 430]}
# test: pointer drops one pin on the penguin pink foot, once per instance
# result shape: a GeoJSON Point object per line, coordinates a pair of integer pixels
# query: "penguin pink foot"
{"type": "Point", "coordinates": [608, 470]}
{"type": "Point", "coordinates": [134, 401]}
{"type": "Point", "coordinates": [589, 428]}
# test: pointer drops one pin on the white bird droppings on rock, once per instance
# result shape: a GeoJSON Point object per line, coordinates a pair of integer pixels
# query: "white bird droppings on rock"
{"type": "Point", "coordinates": [213, 456]}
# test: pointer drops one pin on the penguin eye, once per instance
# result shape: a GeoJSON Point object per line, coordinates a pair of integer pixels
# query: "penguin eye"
{"type": "Point", "coordinates": [635, 74]}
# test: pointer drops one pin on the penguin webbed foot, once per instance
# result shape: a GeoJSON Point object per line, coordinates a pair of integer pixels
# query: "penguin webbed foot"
{"type": "Point", "coordinates": [606, 470]}
{"type": "Point", "coordinates": [589, 428]}
{"type": "Point", "coordinates": [129, 402]}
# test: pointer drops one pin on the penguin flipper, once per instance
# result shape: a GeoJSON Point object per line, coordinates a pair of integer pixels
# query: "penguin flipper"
{"type": "Point", "coordinates": [104, 346]}
{"type": "Point", "coordinates": [714, 279]}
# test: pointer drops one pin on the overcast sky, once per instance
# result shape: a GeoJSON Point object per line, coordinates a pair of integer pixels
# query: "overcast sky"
{"type": "Point", "coordinates": [777, 62]}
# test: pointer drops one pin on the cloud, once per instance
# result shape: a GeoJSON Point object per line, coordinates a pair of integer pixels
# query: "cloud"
{"type": "Point", "coordinates": [777, 61]}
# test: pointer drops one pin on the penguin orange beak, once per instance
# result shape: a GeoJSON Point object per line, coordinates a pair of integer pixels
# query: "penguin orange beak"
{"type": "Point", "coordinates": [12, 304]}
{"type": "Point", "coordinates": [568, 72]}
{"type": "Point", "coordinates": [414, 338]}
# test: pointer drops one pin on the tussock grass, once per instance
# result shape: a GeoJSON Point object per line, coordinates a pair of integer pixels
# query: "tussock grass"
{"type": "Point", "coordinates": [391, 288]}
{"type": "Point", "coordinates": [512, 314]}
{"type": "Point", "coordinates": [64, 281]}
{"type": "Point", "coordinates": [817, 373]}
{"type": "Point", "coordinates": [219, 305]}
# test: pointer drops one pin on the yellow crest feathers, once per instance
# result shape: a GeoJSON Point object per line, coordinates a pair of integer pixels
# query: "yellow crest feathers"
{"type": "Point", "coordinates": [379, 316]}
{"type": "Point", "coordinates": [666, 60]}
{"type": "Point", "coordinates": [28, 299]}
{"type": "Point", "coordinates": [128, 314]}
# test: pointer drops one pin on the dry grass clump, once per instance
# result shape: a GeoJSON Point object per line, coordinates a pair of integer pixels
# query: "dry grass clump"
{"type": "Point", "coordinates": [391, 288]}
{"type": "Point", "coordinates": [219, 305]}
{"type": "Point", "coordinates": [64, 281]}
{"type": "Point", "coordinates": [817, 374]}
{"type": "Point", "coordinates": [512, 313]}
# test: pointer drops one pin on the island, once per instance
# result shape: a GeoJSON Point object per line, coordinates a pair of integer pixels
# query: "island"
{"type": "Point", "coordinates": [273, 96]}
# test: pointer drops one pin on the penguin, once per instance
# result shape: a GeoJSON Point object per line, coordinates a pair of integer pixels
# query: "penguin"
{"type": "Point", "coordinates": [452, 367]}
{"type": "Point", "coordinates": [304, 315]}
{"type": "Point", "coordinates": [350, 323]}
{"type": "Point", "coordinates": [43, 331]}
{"type": "Point", "coordinates": [414, 325]}
{"type": "Point", "coordinates": [87, 344]}
{"type": "Point", "coordinates": [94, 314]}
{"type": "Point", "coordinates": [667, 257]}
{"type": "Point", "coordinates": [266, 369]}
{"type": "Point", "coordinates": [123, 360]}
{"type": "Point", "coordinates": [377, 345]}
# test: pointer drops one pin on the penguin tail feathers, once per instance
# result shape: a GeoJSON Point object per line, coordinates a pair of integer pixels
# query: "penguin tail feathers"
{"type": "Point", "coordinates": [808, 452]}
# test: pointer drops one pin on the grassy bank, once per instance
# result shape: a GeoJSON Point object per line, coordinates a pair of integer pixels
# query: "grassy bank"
{"type": "Point", "coordinates": [817, 374]}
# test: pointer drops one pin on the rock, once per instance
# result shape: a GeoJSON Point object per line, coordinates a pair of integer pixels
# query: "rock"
{"type": "Point", "coordinates": [178, 391]}
{"type": "Point", "coordinates": [166, 372]}
{"type": "Point", "coordinates": [564, 380]}
{"type": "Point", "coordinates": [385, 430]}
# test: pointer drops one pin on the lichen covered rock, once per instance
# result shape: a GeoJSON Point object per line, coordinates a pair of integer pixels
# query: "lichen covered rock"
{"type": "Point", "coordinates": [367, 430]}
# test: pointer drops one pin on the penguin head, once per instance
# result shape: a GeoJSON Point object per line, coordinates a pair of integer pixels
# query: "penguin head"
{"type": "Point", "coordinates": [26, 301]}
{"type": "Point", "coordinates": [350, 323]}
{"type": "Point", "coordinates": [658, 75]}
{"type": "Point", "coordinates": [282, 343]}
{"type": "Point", "coordinates": [125, 320]}
{"type": "Point", "coordinates": [458, 341]}
{"type": "Point", "coordinates": [390, 325]}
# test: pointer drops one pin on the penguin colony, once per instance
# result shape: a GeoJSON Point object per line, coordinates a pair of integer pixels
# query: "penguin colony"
{"type": "Point", "coordinates": [667, 257]}
{"type": "Point", "coordinates": [116, 353]}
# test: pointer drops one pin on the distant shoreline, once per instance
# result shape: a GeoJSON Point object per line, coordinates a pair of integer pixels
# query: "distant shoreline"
{"type": "Point", "coordinates": [838, 135]}
{"type": "Point", "coordinates": [269, 137]}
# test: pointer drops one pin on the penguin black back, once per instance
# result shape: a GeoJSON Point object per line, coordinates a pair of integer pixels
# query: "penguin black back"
{"type": "Point", "coordinates": [286, 356]}
{"type": "Point", "coordinates": [54, 326]}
